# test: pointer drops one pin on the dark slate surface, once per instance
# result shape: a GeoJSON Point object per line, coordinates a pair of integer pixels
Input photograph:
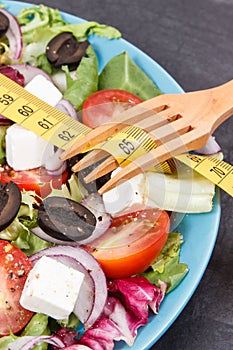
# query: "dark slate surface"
{"type": "Point", "coordinates": [193, 41]}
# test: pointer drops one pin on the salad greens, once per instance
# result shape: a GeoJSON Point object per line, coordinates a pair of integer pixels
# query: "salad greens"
{"type": "Point", "coordinates": [85, 84]}
{"type": "Point", "coordinates": [167, 266]}
{"type": "Point", "coordinates": [18, 232]}
{"type": "Point", "coordinates": [2, 143]}
{"type": "Point", "coordinates": [39, 24]}
{"type": "Point", "coordinates": [121, 72]}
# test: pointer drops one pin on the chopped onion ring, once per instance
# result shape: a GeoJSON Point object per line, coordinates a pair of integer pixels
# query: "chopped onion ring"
{"type": "Point", "coordinates": [210, 147]}
{"type": "Point", "coordinates": [14, 35]}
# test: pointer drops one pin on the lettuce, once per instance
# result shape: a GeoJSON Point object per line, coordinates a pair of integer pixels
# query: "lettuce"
{"type": "Point", "coordinates": [2, 143]}
{"type": "Point", "coordinates": [126, 310]}
{"type": "Point", "coordinates": [121, 72]}
{"type": "Point", "coordinates": [39, 24]}
{"type": "Point", "coordinates": [167, 266]}
{"type": "Point", "coordinates": [18, 232]}
{"type": "Point", "coordinates": [87, 80]}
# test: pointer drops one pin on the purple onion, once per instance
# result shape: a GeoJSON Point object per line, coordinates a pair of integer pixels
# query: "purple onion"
{"type": "Point", "coordinates": [211, 147]}
{"type": "Point", "coordinates": [66, 107]}
{"type": "Point", "coordinates": [95, 271]}
{"type": "Point", "coordinates": [29, 72]}
{"type": "Point", "coordinates": [14, 36]}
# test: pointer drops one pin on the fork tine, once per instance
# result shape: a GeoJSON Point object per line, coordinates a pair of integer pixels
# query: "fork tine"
{"type": "Point", "coordinates": [90, 158]}
{"type": "Point", "coordinates": [101, 133]}
{"type": "Point", "coordinates": [106, 167]}
{"type": "Point", "coordinates": [182, 144]}
{"type": "Point", "coordinates": [147, 124]}
{"type": "Point", "coordinates": [160, 135]}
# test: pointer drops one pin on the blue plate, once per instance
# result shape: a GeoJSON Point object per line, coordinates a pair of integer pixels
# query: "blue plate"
{"type": "Point", "coordinates": [199, 230]}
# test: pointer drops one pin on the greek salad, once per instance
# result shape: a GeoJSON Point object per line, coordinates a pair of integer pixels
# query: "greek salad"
{"type": "Point", "coordinates": [79, 270]}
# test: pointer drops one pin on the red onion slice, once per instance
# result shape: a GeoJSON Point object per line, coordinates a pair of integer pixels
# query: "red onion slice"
{"type": "Point", "coordinates": [211, 147]}
{"type": "Point", "coordinates": [37, 231]}
{"type": "Point", "coordinates": [85, 301]}
{"type": "Point", "coordinates": [29, 72]}
{"type": "Point", "coordinates": [5, 121]}
{"type": "Point", "coordinates": [28, 342]}
{"type": "Point", "coordinates": [93, 268]}
{"type": "Point", "coordinates": [95, 204]}
{"type": "Point", "coordinates": [66, 107]}
{"type": "Point", "coordinates": [14, 35]}
{"type": "Point", "coordinates": [54, 165]}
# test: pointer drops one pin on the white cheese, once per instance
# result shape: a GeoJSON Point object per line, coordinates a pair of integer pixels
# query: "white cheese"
{"type": "Point", "coordinates": [127, 196]}
{"type": "Point", "coordinates": [51, 288]}
{"type": "Point", "coordinates": [44, 89]}
{"type": "Point", "coordinates": [24, 149]}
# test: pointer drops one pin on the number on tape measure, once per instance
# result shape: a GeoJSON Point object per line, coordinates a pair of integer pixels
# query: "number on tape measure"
{"type": "Point", "coordinates": [215, 170]}
{"type": "Point", "coordinates": [131, 143]}
{"type": "Point", "coordinates": [22, 107]}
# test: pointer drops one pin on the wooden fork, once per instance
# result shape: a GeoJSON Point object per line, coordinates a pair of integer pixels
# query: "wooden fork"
{"type": "Point", "coordinates": [177, 122]}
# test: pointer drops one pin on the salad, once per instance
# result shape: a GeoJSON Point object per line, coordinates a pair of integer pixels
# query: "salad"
{"type": "Point", "coordinates": [115, 257]}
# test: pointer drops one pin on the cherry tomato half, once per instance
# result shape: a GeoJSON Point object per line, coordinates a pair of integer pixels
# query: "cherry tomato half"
{"type": "Point", "coordinates": [100, 107]}
{"type": "Point", "coordinates": [132, 242]}
{"type": "Point", "coordinates": [38, 180]}
{"type": "Point", "coordinates": [14, 269]}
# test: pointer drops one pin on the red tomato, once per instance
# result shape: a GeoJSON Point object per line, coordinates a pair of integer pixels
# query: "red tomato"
{"type": "Point", "coordinates": [132, 242]}
{"type": "Point", "coordinates": [100, 107]}
{"type": "Point", "coordinates": [37, 180]}
{"type": "Point", "coordinates": [14, 268]}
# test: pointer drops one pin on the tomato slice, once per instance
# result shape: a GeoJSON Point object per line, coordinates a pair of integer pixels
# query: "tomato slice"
{"type": "Point", "coordinates": [132, 242]}
{"type": "Point", "coordinates": [38, 180]}
{"type": "Point", "coordinates": [100, 107]}
{"type": "Point", "coordinates": [14, 269]}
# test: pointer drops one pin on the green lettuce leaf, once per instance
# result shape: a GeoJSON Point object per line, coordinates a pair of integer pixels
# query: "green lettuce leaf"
{"type": "Point", "coordinates": [167, 266]}
{"type": "Point", "coordinates": [72, 189]}
{"type": "Point", "coordinates": [6, 340]}
{"type": "Point", "coordinates": [2, 143]}
{"type": "Point", "coordinates": [37, 18]}
{"type": "Point", "coordinates": [87, 80]}
{"type": "Point", "coordinates": [121, 72]}
{"type": "Point", "coordinates": [40, 24]}
{"type": "Point", "coordinates": [18, 232]}
{"type": "Point", "coordinates": [38, 325]}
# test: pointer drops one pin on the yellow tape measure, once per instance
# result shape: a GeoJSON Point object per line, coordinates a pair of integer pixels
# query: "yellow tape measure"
{"type": "Point", "coordinates": [215, 170]}
{"type": "Point", "coordinates": [131, 143]}
{"type": "Point", "coordinates": [22, 107]}
{"type": "Point", "coordinates": [25, 109]}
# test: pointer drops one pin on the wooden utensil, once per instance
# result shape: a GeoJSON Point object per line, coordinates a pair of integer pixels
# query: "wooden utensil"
{"type": "Point", "coordinates": [177, 122]}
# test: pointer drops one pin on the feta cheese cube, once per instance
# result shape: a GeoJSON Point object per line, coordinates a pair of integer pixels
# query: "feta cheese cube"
{"type": "Point", "coordinates": [44, 89]}
{"type": "Point", "coordinates": [126, 196]}
{"type": "Point", "coordinates": [51, 288]}
{"type": "Point", "coordinates": [24, 149]}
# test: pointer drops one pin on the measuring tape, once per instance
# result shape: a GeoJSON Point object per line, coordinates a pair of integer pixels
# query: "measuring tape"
{"type": "Point", "coordinates": [25, 109]}
{"type": "Point", "coordinates": [56, 127]}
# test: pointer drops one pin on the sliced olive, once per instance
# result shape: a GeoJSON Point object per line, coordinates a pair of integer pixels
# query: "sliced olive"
{"type": "Point", "coordinates": [65, 219]}
{"type": "Point", "coordinates": [4, 24]}
{"type": "Point", "coordinates": [64, 49]}
{"type": "Point", "coordinates": [93, 186]}
{"type": "Point", "coordinates": [10, 201]}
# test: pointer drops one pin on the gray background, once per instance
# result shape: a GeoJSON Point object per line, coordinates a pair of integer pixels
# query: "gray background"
{"type": "Point", "coordinates": [193, 41]}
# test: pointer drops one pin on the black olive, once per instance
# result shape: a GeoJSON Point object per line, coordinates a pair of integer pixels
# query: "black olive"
{"type": "Point", "coordinates": [10, 201]}
{"type": "Point", "coordinates": [92, 186]}
{"type": "Point", "coordinates": [4, 24]}
{"type": "Point", "coordinates": [64, 49]}
{"type": "Point", "coordinates": [65, 219]}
